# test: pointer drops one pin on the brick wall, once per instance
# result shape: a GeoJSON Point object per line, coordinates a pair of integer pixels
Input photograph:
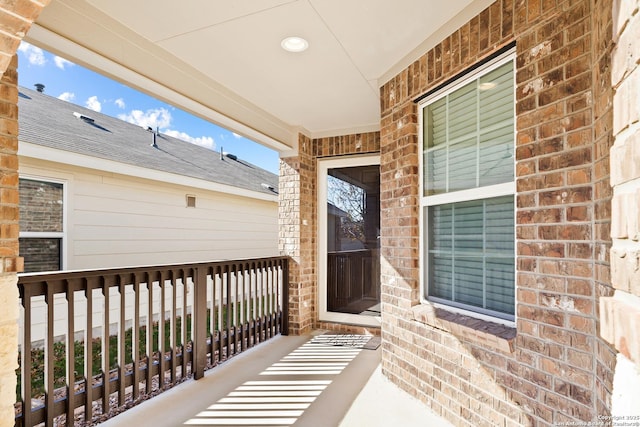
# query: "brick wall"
{"type": "Point", "coordinates": [552, 367]}
{"type": "Point", "coordinates": [10, 264]}
{"type": "Point", "coordinates": [16, 18]}
{"type": "Point", "coordinates": [297, 234]}
{"type": "Point", "coordinates": [603, 140]}
{"type": "Point", "coordinates": [298, 222]}
{"type": "Point", "coordinates": [41, 205]}
{"type": "Point", "coordinates": [41, 209]}
{"type": "Point", "coordinates": [620, 312]}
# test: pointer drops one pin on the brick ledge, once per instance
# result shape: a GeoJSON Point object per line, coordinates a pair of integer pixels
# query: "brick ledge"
{"type": "Point", "coordinates": [467, 328]}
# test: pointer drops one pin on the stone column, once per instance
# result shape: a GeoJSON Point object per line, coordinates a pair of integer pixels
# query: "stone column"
{"type": "Point", "coordinates": [16, 18]}
{"type": "Point", "coordinates": [10, 263]}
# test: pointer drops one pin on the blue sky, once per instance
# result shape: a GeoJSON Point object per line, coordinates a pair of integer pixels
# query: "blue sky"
{"type": "Point", "coordinates": [73, 83]}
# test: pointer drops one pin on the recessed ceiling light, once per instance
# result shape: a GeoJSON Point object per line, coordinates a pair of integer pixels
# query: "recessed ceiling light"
{"type": "Point", "coordinates": [294, 44]}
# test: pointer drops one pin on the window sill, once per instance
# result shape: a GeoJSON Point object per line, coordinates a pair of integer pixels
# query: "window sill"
{"type": "Point", "coordinates": [467, 328]}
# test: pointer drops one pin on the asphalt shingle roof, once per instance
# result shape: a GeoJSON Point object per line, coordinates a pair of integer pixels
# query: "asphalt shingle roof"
{"type": "Point", "coordinates": [50, 122]}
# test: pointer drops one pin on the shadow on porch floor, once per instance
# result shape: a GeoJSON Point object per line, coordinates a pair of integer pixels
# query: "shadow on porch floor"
{"type": "Point", "coordinates": [283, 382]}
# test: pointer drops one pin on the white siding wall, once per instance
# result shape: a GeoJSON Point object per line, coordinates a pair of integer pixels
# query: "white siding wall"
{"type": "Point", "coordinates": [115, 221]}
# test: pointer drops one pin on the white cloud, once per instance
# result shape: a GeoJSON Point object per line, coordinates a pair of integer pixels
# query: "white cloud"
{"type": "Point", "coordinates": [34, 55]}
{"type": "Point", "coordinates": [120, 103]}
{"type": "Point", "coordinates": [236, 135]}
{"type": "Point", "coordinates": [67, 96]}
{"type": "Point", "coordinates": [204, 141]}
{"type": "Point", "coordinates": [62, 63]}
{"type": "Point", "coordinates": [93, 104]}
{"type": "Point", "coordinates": [156, 118]}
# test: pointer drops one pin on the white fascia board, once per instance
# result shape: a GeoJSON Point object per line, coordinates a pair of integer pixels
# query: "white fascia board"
{"type": "Point", "coordinates": [26, 149]}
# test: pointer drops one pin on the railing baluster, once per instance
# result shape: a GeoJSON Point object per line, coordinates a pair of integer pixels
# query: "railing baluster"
{"type": "Point", "coordinates": [220, 310]}
{"type": "Point", "coordinates": [26, 361]}
{"type": "Point", "coordinates": [236, 304]}
{"type": "Point", "coordinates": [173, 328]}
{"type": "Point", "coordinates": [149, 335]}
{"type": "Point", "coordinates": [213, 314]}
{"type": "Point", "coordinates": [270, 299]}
{"type": "Point", "coordinates": [276, 297]}
{"type": "Point", "coordinates": [149, 341]}
{"type": "Point", "coordinates": [49, 373]}
{"type": "Point", "coordinates": [285, 296]}
{"type": "Point", "coordinates": [162, 365]}
{"type": "Point", "coordinates": [265, 304]}
{"type": "Point", "coordinates": [216, 315]}
{"type": "Point", "coordinates": [106, 368]}
{"type": "Point", "coordinates": [267, 309]}
{"type": "Point", "coordinates": [240, 305]}
{"type": "Point", "coordinates": [243, 311]}
{"type": "Point", "coordinates": [245, 307]}
{"type": "Point", "coordinates": [71, 354]}
{"type": "Point", "coordinates": [185, 317]}
{"type": "Point", "coordinates": [88, 354]}
{"type": "Point", "coordinates": [122, 356]}
{"type": "Point", "coordinates": [251, 306]}
{"type": "Point", "coordinates": [200, 322]}
{"type": "Point", "coordinates": [274, 282]}
{"type": "Point", "coordinates": [229, 310]}
{"type": "Point", "coordinates": [269, 306]}
{"type": "Point", "coordinates": [135, 337]}
{"type": "Point", "coordinates": [258, 299]}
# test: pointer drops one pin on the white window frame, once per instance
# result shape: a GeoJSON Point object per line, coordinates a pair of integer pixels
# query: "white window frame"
{"type": "Point", "coordinates": [321, 257]}
{"type": "Point", "coordinates": [51, 234]}
{"type": "Point", "coordinates": [497, 190]}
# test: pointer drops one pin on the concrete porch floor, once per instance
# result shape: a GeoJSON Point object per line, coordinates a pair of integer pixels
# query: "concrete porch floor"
{"type": "Point", "coordinates": [283, 382]}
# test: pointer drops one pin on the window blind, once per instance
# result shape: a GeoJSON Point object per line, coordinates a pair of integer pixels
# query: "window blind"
{"type": "Point", "coordinates": [471, 253]}
{"type": "Point", "coordinates": [468, 135]}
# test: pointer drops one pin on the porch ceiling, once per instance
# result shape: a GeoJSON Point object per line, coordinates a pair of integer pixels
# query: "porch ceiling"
{"type": "Point", "coordinates": [222, 59]}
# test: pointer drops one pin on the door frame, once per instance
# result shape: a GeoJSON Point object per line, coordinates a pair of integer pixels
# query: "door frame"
{"type": "Point", "coordinates": [321, 257]}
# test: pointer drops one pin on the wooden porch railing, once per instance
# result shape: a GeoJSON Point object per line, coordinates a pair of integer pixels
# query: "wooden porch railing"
{"type": "Point", "coordinates": [97, 342]}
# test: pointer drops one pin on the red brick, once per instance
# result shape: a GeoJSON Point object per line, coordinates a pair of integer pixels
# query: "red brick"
{"type": "Point", "coordinates": [565, 232]}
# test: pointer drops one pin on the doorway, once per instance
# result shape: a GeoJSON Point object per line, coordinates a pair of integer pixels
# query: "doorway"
{"type": "Point", "coordinates": [349, 240]}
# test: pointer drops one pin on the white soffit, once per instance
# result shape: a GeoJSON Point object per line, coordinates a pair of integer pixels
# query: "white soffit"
{"type": "Point", "coordinates": [306, 89]}
{"type": "Point", "coordinates": [377, 34]}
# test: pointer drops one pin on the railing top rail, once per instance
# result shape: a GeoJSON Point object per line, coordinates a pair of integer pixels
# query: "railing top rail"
{"type": "Point", "coordinates": [88, 273]}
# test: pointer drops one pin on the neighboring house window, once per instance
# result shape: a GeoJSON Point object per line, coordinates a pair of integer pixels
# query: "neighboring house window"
{"type": "Point", "coordinates": [41, 224]}
{"type": "Point", "coordinates": [467, 201]}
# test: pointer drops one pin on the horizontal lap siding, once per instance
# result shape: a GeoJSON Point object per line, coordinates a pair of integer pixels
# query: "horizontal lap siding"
{"type": "Point", "coordinates": [118, 221]}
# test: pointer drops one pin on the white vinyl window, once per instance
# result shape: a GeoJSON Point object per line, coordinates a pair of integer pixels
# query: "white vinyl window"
{"type": "Point", "coordinates": [467, 203]}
